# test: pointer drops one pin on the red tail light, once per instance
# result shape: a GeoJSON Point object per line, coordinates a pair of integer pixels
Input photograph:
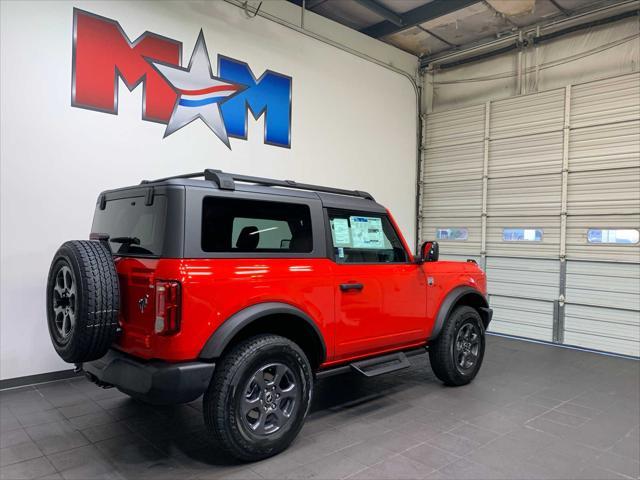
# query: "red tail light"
{"type": "Point", "coordinates": [167, 307]}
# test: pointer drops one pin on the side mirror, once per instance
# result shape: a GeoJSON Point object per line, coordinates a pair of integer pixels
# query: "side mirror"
{"type": "Point", "coordinates": [429, 252]}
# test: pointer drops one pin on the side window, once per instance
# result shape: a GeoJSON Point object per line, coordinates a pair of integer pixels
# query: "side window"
{"type": "Point", "coordinates": [271, 234]}
{"type": "Point", "coordinates": [364, 238]}
{"type": "Point", "coordinates": [236, 226]}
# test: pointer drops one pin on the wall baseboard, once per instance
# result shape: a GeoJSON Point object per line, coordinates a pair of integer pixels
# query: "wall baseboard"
{"type": "Point", "coordinates": [39, 378]}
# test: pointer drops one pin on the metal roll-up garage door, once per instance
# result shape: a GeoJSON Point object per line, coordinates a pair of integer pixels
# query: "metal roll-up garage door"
{"type": "Point", "coordinates": [545, 190]}
{"type": "Point", "coordinates": [452, 179]}
{"type": "Point", "coordinates": [523, 194]}
{"type": "Point", "coordinates": [603, 259]}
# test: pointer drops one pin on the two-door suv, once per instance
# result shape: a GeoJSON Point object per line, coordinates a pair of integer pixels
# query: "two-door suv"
{"type": "Point", "coordinates": [247, 290]}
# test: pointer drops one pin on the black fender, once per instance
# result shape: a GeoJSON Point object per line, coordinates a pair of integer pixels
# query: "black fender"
{"type": "Point", "coordinates": [462, 295]}
{"type": "Point", "coordinates": [221, 338]}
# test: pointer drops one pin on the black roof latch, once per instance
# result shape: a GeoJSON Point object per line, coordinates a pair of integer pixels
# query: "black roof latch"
{"type": "Point", "coordinates": [148, 199]}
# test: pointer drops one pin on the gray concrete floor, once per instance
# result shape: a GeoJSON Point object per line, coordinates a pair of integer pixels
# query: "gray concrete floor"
{"type": "Point", "coordinates": [534, 411]}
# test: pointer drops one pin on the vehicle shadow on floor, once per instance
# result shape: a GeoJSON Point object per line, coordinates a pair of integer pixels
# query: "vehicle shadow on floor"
{"type": "Point", "coordinates": [347, 394]}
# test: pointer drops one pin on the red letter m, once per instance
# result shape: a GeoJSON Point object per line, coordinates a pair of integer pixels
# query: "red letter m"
{"type": "Point", "coordinates": [102, 52]}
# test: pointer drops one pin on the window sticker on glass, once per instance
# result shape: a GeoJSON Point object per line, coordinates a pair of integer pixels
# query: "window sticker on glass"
{"type": "Point", "coordinates": [367, 232]}
{"type": "Point", "coordinates": [340, 231]}
{"type": "Point", "coordinates": [619, 236]}
{"type": "Point", "coordinates": [522, 234]}
{"type": "Point", "coordinates": [456, 234]}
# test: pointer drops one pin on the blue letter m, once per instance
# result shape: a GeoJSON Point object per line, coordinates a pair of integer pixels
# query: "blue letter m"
{"type": "Point", "coordinates": [269, 95]}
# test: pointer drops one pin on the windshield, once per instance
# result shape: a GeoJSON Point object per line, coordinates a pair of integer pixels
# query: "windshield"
{"type": "Point", "coordinates": [134, 229]}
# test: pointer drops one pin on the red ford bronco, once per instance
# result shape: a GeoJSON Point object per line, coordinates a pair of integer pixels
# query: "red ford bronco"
{"type": "Point", "coordinates": [247, 290]}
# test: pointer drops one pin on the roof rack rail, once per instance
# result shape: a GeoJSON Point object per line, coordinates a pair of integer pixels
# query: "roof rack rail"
{"type": "Point", "coordinates": [226, 181]}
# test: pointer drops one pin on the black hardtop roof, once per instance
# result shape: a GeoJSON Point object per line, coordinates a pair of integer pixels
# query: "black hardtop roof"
{"type": "Point", "coordinates": [218, 180]}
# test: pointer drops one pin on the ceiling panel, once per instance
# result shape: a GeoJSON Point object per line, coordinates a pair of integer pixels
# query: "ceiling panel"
{"type": "Point", "coordinates": [468, 25]}
{"type": "Point", "coordinates": [479, 21]}
{"type": "Point", "coordinates": [416, 41]}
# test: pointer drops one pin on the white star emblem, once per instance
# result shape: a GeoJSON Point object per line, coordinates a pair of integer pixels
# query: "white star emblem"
{"type": "Point", "coordinates": [199, 92]}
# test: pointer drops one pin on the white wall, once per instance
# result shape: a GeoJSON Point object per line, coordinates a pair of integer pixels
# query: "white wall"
{"type": "Point", "coordinates": [353, 127]}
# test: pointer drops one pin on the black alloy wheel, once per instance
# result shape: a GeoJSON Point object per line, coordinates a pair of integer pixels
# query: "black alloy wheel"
{"type": "Point", "coordinates": [456, 354]}
{"type": "Point", "coordinates": [271, 397]}
{"type": "Point", "coordinates": [65, 304]}
{"type": "Point", "coordinates": [466, 348]}
{"type": "Point", "coordinates": [258, 397]}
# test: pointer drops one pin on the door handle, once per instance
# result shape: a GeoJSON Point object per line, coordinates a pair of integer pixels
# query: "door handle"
{"type": "Point", "coordinates": [345, 287]}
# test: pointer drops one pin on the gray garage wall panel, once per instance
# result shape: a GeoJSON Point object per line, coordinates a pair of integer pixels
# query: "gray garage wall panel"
{"type": "Point", "coordinates": [605, 147]}
{"type": "Point", "coordinates": [455, 162]}
{"type": "Point", "coordinates": [528, 195]}
{"type": "Point", "coordinates": [523, 278]}
{"type": "Point", "coordinates": [547, 248]}
{"type": "Point", "coordinates": [469, 248]}
{"type": "Point", "coordinates": [584, 326]}
{"type": "Point", "coordinates": [528, 114]}
{"type": "Point", "coordinates": [528, 155]}
{"type": "Point", "coordinates": [445, 200]}
{"type": "Point", "coordinates": [459, 126]}
{"type": "Point", "coordinates": [522, 293]}
{"type": "Point", "coordinates": [522, 318]}
{"type": "Point", "coordinates": [578, 248]}
{"type": "Point", "coordinates": [604, 284]}
{"type": "Point", "coordinates": [604, 192]}
{"type": "Point", "coordinates": [605, 101]}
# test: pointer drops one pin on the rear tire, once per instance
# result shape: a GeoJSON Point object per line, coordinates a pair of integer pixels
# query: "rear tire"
{"type": "Point", "coordinates": [456, 355]}
{"type": "Point", "coordinates": [258, 398]}
{"type": "Point", "coordinates": [83, 301]}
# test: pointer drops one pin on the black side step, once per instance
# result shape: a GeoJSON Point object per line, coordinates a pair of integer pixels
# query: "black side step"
{"type": "Point", "coordinates": [373, 367]}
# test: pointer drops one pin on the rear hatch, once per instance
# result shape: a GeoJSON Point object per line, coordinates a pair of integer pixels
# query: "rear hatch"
{"type": "Point", "coordinates": [141, 233]}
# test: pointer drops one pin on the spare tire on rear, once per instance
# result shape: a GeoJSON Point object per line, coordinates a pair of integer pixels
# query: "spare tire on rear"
{"type": "Point", "coordinates": [83, 300]}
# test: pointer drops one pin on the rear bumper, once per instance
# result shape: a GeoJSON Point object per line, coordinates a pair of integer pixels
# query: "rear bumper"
{"type": "Point", "coordinates": [153, 381]}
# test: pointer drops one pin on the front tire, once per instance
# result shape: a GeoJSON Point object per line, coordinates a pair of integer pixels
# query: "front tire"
{"type": "Point", "coordinates": [258, 397]}
{"type": "Point", "coordinates": [457, 354]}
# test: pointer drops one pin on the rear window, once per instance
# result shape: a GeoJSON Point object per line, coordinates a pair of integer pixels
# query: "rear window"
{"type": "Point", "coordinates": [236, 226]}
{"type": "Point", "coordinates": [134, 229]}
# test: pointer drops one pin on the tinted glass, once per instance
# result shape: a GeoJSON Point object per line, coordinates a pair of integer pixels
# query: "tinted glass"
{"type": "Point", "coordinates": [364, 238]}
{"type": "Point", "coordinates": [138, 227]}
{"type": "Point", "coordinates": [458, 234]}
{"type": "Point", "coordinates": [522, 234]}
{"type": "Point", "coordinates": [619, 236]}
{"type": "Point", "coordinates": [233, 225]}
